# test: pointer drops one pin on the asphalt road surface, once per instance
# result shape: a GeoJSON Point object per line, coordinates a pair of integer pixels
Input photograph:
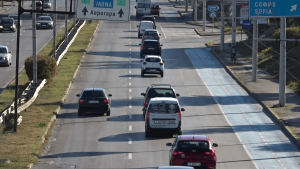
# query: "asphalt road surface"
{"type": "Point", "coordinates": [43, 37]}
{"type": "Point", "coordinates": [215, 106]}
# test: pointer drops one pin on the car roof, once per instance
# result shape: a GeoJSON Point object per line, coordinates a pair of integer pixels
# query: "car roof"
{"type": "Point", "coordinates": [92, 89]}
{"type": "Point", "coordinates": [154, 30]}
{"type": "Point", "coordinates": [165, 99]}
{"type": "Point", "coordinates": [1, 46]}
{"type": "Point", "coordinates": [6, 18]}
{"type": "Point", "coordinates": [175, 167]}
{"type": "Point", "coordinates": [148, 16]}
{"type": "Point", "coordinates": [194, 137]}
{"type": "Point", "coordinates": [153, 40]}
{"type": "Point", "coordinates": [167, 86]}
{"type": "Point", "coordinates": [146, 21]}
{"type": "Point", "coordinates": [12, 15]}
{"type": "Point", "coordinates": [152, 56]}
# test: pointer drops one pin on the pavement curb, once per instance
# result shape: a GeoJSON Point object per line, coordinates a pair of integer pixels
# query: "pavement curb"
{"type": "Point", "coordinates": [57, 110]}
{"type": "Point", "coordinates": [271, 114]}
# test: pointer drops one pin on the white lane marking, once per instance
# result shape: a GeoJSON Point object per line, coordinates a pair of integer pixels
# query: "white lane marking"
{"type": "Point", "coordinates": [129, 84]}
{"type": "Point", "coordinates": [163, 32]}
{"type": "Point", "coordinates": [7, 43]}
{"type": "Point", "coordinates": [129, 156]}
{"type": "Point", "coordinates": [129, 39]}
{"type": "Point", "coordinates": [129, 71]}
{"type": "Point", "coordinates": [130, 97]}
{"type": "Point", "coordinates": [130, 128]}
{"type": "Point", "coordinates": [130, 141]}
{"type": "Point", "coordinates": [129, 90]}
{"type": "Point", "coordinates": [130, 106]}
{"type": "Point", "coordinates": [130, 49]}
{"type": "Point", "coordinates": [129, 77]}
{"type": "Point", "coordinates": [129, 42]}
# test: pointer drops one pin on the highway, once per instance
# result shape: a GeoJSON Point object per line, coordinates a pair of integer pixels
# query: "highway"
{"type": "Point", "coordinates": [43, 37]}
{"type": "Point", "coordinates": [215, 105]}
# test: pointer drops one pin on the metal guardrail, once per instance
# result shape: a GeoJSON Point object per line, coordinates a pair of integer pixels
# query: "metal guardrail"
{"type": "Point", "coordinates": [10, 110]}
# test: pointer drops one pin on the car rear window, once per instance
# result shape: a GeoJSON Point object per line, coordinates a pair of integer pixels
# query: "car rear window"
{"type": "Point", "coordinates": [151, 43]}
{"type": "Point", "coordinates": [150, 33]}
{"type": "Point", "coordinates": [164, 108]}
{"type": "Point", "coordinates": [152, 60]}
{"type": "Point", "coordinates": [160, 93]}
{"type": "Point", "coordinates": [3, 50]}
{"type": "Point", "coordinates": [147, 19]}
{"type": "Point", "coordinates": [193, 145]}
{"type": "Point", "coordinates": [94, 93]}
{"type": "Point", "coordinates": [143, 5]}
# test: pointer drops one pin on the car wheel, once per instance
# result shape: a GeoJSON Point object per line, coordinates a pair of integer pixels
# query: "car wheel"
{"type": "Point", "coordinates": [144, 114]}
{"type": "Point", "coordinates": [108, 113]}
{"type": "Point", "coordinates": [141, 55]}
{"type": "Point", "coordinates": [51, 27]}
{"type": "Point", "coordinates": [180, 132]}
{"type": "Point", "coordinates": [162, 74]}
{"type": "Point", "coordinates": [142, 74]}
{"type": "Point", "coordinates": [148, 134]}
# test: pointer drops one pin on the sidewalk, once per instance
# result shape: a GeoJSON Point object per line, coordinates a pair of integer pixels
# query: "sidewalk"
{"type": "Point", "coordinates": [7, 5]}
{"type": "Point", "coordinates": [265, 90]}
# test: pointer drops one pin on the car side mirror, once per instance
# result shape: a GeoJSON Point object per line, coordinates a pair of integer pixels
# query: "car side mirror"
{"type": "Point", "coordinates": [168, 144]}
{"type": "Point", "coordinates": [163, 61]}
{"type": "Point", "coordinates": [177, 94]}
{"type": "Point", "coordinates": [140, 44]}
{"type": "Point", "coordinates": [9, 52]}
{"type": "Point", "coordinates": [143, 94]}
{"type": "Point", "coordinates": [182, 109]}
{"type": "Point", "coordinates": [215, 145]}
{"type": "Point", "coordinates": [77, 95]}
{"type": "Point", "coordinates": [161, 45]}
{"type": "Point", "coordinates": [109, 95]}
{"type": "Point", "coordinates": [159, 34]}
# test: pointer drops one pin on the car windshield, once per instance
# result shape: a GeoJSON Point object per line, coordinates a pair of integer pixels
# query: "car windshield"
{"type": "Point", "coordinates": [143, 5]}
{"type": "Point", "coordinates": [93, 93]}
{"type": "Point", "coordinates": [152, 59]}
{"type": "Point", "coordinates": [193, 145]}
{"type": "Point", "coordinates": [160, 93]}
{"type": "Point", "coordinates": [44, 18]}
{"type": "Point", "coordinates": [38, 4]}
{"type": "Point", "coordinates": [7, 21]}
{"type": "Point", "coordinates": [3, 50]}
{"type": "Point", "coordinates": [164, 108]}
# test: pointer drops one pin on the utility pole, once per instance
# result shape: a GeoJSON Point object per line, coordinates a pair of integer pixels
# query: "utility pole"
{"type": "Point", "coordinates": [282, 74]}
{"type": "Point", "coordinates": [204, 15]}
{"type": "Point", "coordinates": [66, 22]}
{"type": "Point", "coordinates": [54, 30]}
{"type": "Point", "coordinates": [254, 50]}
{"type": "Point", "coordinates": [195, 11]}
{"type": "Point", "coordinates": [222, 27]}
{"type": "Point", "coordinates": [34, 66]}
{"type": "Point", "coordinates": [233, 37]}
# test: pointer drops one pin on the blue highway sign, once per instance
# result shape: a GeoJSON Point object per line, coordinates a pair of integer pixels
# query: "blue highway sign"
{"type": "Point", "coordinates": [213, 14]}
{"type": "Point", "coordinates": [274, 8]}
{"type": "Point", "coordinates": [213, 8]}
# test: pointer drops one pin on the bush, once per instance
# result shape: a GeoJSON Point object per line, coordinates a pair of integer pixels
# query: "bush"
{"type": "Point", "coordinates": [46, 67]}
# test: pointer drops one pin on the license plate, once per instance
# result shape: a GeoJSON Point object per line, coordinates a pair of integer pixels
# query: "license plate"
{"type": "Point", "coordinates": [151, 48]}
{"type": "Point", "coordinates": [159, 121]}
{"type": "Point", "coordinates": [152, 70]}
{"type": "Point", "coordinates": [6, 29]}
{"type": "Point", "coordinates": [43, 25]}
{"type": "Point", "coordinates": [171, 121]}
{"type": "Point", "coordinates": [93, 101]}
{"type": "Point", "coordinates": [194, 164]}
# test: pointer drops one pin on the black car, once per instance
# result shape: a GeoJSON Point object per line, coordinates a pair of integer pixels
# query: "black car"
{"type": "Point", "coordinates": [7, 24]}
{"type": "Point", "coordinates": [149, 18]}
{"type": "Point", "coordinates": [155, 9]}
{"type": "Point", "coordinates": [44, 22]}
{"type": "Point", "coordinates": [157, 90]}
{"type": "Point", "coordinates": [94, 100]}
{"type": "Point", "coordinates": [150, 47]}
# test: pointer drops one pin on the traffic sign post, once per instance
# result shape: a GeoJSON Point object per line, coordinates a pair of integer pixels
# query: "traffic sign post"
{"type": "Point", "coordinates": [213, 15]}
{"type": "Point", "coordinates": [246, 24]}
{"type": "Point", "coordinates": [274, 8]}
{"type": "Point", "coordinates": [117, 10]}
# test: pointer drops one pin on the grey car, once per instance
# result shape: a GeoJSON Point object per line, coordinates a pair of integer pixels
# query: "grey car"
{"type": "Point", "coordinates": [15, 17]}
{"type": "Point", "coordinates": [5, 56]}
{"type": "Point", "coordinates": [44, 22]}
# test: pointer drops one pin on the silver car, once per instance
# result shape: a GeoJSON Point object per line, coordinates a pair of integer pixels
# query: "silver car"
{"type": "Point", "coordinates": [5, 56]}
{"type": "Point", "coordinates": [44, 22]}
{"type": "Point", "coordinates": [15, 17]}
{"type": "Point", "coordinates": [151, 34]}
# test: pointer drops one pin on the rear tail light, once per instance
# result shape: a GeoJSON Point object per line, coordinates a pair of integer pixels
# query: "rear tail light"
{"type": "Point", "coordinates": [161, 63]}
{"type": "Point", "coordinates": [142, 47]}
{"type": "Point", "coordinates": [177, 153]}
{"type": "Point", "coordinates": [81, 101]}
{"type": "Point", "coordinates": [148, 116]}
{"type": "Point", "coordinates": [158, 10]}
{"type": "Point", "coordinates": [180, 116]}
{"type": "Point", "coordinates": [144, 63]}
{"type": "Point", "coordinates": [146, 103]}
{"type": "Point", "coordinates": [106, 100]}
{"type": "Point", "coordinates": [210, 153]}
{"type": "Point", "coordinates": [159, 48]}
{"type": "Point", "coordinates": [154, 22]}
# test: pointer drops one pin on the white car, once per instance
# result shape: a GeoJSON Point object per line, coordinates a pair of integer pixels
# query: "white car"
{"type": "Point", "coordinates": [152, 64]}
{"type": "Point", "coordinates": [5, 56]}
{"type": "Point", "coordinates": [163, 114]}
{"type": "Point", "coordinates": [143, 26]}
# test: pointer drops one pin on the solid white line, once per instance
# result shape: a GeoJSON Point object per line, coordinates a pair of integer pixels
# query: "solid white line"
{"type": "Point", "coordinates": [129, 156]}
{"type": "Point", "coordinates": [130, 128]}
{"type": "Point", "coordinates": [130, 106]}
{"type": "Point", "coordinates": [163, 32]}
{"type": "Point", "coordinates": [12, 39]}
{"type": "Point", "coordinates": [129, 77]}
{"type": "Point", "coordinates": [129, 84]}
{"type": "Point", "coordinates": [129, 90]}
{"type": "Point", "coordinates": [7, 43]}
{"type": "Point", "coordinates": [129, 71]}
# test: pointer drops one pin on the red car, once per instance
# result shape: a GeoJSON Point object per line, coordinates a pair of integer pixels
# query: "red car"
{"type": "Point", "coordinates": [193, 150]}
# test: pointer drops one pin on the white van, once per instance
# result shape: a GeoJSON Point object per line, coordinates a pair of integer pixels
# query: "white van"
{"type": "Point", "coordinates": [143, 26]}
{"type": "Point", "coordinates": [163, 114]}
{"type": "Point", "coordinates": [143, 8]}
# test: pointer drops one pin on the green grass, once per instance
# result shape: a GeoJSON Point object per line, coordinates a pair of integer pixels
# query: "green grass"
{"type": "Point", "coordinates": [21, 148]}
